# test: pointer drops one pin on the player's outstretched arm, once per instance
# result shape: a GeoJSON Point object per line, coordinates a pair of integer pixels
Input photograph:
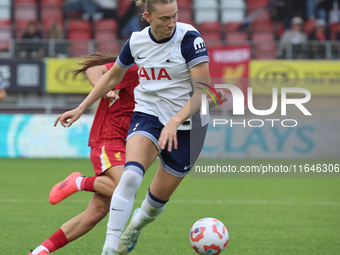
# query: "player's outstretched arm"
{"type": "Point", "coordinates": [94, 73]}
{"type": "Point", "coordinates": [199, 73]}
{"type": "Point", "coordinates": [106, 83]}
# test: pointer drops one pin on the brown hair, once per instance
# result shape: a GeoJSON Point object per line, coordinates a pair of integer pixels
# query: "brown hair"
{"type": "Point", "coordinates": [54, 33]}
{"type": "Point", "coordinates": [149, 4]}
{"type": "Point", "coordinates": [95, 59]}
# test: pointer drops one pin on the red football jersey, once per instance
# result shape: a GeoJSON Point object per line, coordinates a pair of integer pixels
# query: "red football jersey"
{"type": "Point", "coordinates": [113, 122]}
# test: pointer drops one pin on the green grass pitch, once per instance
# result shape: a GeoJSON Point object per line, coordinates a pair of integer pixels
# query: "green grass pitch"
{"type": "Point", "coordinates": [263, 216]}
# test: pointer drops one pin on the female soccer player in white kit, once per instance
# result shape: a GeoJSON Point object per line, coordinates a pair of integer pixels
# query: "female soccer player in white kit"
{"type": "Point", "coordinates": [172, 58]}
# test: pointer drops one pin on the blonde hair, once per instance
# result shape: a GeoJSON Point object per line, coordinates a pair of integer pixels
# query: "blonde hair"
{"type": "Point", "coordinates": [149, 4]}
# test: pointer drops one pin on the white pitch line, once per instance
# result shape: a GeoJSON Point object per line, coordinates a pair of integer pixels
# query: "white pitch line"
{"type": "Point", "coordinates": [191, 201]}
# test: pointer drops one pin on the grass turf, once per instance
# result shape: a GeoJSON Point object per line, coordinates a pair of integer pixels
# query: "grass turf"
{"type": "Point", "coordinates": [263, 216]}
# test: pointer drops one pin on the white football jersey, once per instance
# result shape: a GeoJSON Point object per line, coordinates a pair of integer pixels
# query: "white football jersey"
{"type": "Point", "coordinates": [164, 76]}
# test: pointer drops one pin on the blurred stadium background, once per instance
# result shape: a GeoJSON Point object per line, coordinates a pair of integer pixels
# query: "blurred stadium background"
{"type": "Point", "coordinates": [246, 47]}
{"type": "Point", "coordinates": [244, 39]}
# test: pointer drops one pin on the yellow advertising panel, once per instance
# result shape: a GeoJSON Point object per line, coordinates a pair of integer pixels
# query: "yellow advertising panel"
{"type": "Point", "coordinates": [60, 79]}
{"type": "Point", "coordinates": [319, 77]}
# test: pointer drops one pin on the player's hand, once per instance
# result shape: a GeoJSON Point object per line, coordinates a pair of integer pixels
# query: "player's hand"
{"type": "Point", "coordinates": [111, 95]}
{"type": "Point", "coordinates": [169, 136]}
{"type": "Point", "coordinates": [67, 118]}
{"type": "Point", "coordinates": [223, 95]}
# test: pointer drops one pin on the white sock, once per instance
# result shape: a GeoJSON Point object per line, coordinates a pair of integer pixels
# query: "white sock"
{"type": "Point", "coordinates": [39, 249]}
{"type": "Point", "coordinates": [78, 182]}
{"type": "Point", "coordinates": [150, 210]}
{"type": "Point", "coordinates": [122, 203]}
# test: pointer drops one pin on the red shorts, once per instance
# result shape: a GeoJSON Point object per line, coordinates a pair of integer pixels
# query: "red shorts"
{"type": "Point", "coordinates": [107, 156]}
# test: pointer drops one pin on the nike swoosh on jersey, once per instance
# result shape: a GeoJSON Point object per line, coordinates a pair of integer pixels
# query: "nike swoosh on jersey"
{"type": "Point", "coordinates": [141, 57]}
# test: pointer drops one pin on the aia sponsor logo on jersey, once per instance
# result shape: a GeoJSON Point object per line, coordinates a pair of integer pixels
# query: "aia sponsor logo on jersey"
{"type": "Point", "coordinates": [153, 74]}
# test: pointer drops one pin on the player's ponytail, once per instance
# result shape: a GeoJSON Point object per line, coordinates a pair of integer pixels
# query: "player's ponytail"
{"type": "Point", "coordinates": [140, 2]}
{"type": "Point", "coordinates": [149, 4]}
{"type": "Point", "coordinates": [96, 59]}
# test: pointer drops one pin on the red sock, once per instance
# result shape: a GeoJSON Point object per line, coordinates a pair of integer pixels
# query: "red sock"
{"type": "Point", "coordinates": [56, 241]}
{"type": "Point", "coordinates": [87, 183]}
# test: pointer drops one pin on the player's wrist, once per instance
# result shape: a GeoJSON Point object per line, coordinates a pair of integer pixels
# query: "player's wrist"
{"type": "Point", "coordinates": [177, 121]}
{"type": "Point", "coordinates": [81, 108]}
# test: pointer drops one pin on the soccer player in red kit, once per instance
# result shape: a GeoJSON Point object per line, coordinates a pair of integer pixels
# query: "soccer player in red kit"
{"type": "Point", "coordinates": [107, 141]}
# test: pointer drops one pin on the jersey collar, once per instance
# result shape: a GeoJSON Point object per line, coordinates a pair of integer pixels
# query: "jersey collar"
{"type": "Point", "coordinates": [161, 41]}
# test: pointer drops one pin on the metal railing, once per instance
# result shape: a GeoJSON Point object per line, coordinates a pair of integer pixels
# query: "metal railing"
{"type": "Point", "coordinates": [19, 48]}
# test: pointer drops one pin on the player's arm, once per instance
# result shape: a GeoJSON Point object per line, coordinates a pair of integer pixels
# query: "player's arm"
{"type": "Point", "coordinates": [3, 93]}
{"type": "Point", "coordinates": [199, 73]}
{"type": "Point", "coordinates": [223, 96]}
{"type": "Point", "coordinates": [94, 73]}
{"type": "Point", "coordinates": [106, 83]}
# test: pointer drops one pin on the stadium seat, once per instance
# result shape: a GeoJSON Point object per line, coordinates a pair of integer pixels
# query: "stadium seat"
{"type": "Point", "coordinates": [111, 48]}
{"type": "Point", "coordinates": [5, 9]}
{"type": "Point", "coordinates": [211, 30]}
{"type": "Point", "coordinates": [76, 25]}
{"type": "Point", "coordinates": [25, 9]}
{"type": "Point", "coordinates": [263, 37]}
{"type": "Point", "coordinates": [263, 26]}
{"type": "Point", "coordinates": [123, 6]}
{"type": "Point", "coordinates": [80, 35]}
{"type": "Point", "coordinates": [265, 50]}
{"type": "Point", "coordinates": [264, 45]}
{"type": "Point", "coordinates": [234, 5]}
{"type": "Point", "coordinates": [185, 15]}
{"type": "Point", "coordinates": [51, 3]}
{"type": "Point", "coordinates": [210, 26]}
{"type": "Point", "coordinates": [5, 34]}
{"type": "Point", "coordinates": [51, 13]}
{"type": "Point", "coordinates": [184, 4]}
{"type": "Point", "coordinates": [106, 25]}
{"type": "Point", "coordinates": [232, 16]}
{"type": "Point", "coordinates": [78, 49]}
{"type": "Point", "coordinates": [232, 26]}
{"type": "Point", "coordinates": [206, 11]}
{"type": "Point", "coordinates": [280, 29]}
{"type": "Point", "coordinates": [255, 4]}
{"type": "Point", "coordinates": [79, 43]}
{"type": "Point", "coordinates": [103, 36]}
{"type": "Point", "coordinates": [334, 28]}
{"type": "Point", "coordinates": [212, 36]}
{"type": "Point", "coordinates": [236, 37]}
{"type": "Point", "coordinates": [264, 16]}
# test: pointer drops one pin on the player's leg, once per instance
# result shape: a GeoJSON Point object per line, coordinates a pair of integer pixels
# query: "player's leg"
{"type": "Point", "coordinates": [102, 159]}
{"type": "Point", "coordinates": [77, 226]}
{"type": "Point", "coordinates": [98, 206]}
{"type": "Point", "coordinates": [172, 168]}
{"type": "Point", "coordinates": [84, 222]}
{"type": "Point", "coordinates": [161, 188]}
{"type": "Point", "coordinates": [137, 161]}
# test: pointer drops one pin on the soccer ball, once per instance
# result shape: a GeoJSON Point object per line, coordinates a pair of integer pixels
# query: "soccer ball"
{"type": "Point", "coordinates": [208, 236]}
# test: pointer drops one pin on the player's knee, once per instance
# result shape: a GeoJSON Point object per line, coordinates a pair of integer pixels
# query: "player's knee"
{"type": "Point", "coordinates": [133, 172]}
{"type": "Point", "coordinates": [98, 214]}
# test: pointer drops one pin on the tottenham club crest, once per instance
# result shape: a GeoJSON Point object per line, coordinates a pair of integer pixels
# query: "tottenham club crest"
{"type": "Point", "coordinates": [199, 45]}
